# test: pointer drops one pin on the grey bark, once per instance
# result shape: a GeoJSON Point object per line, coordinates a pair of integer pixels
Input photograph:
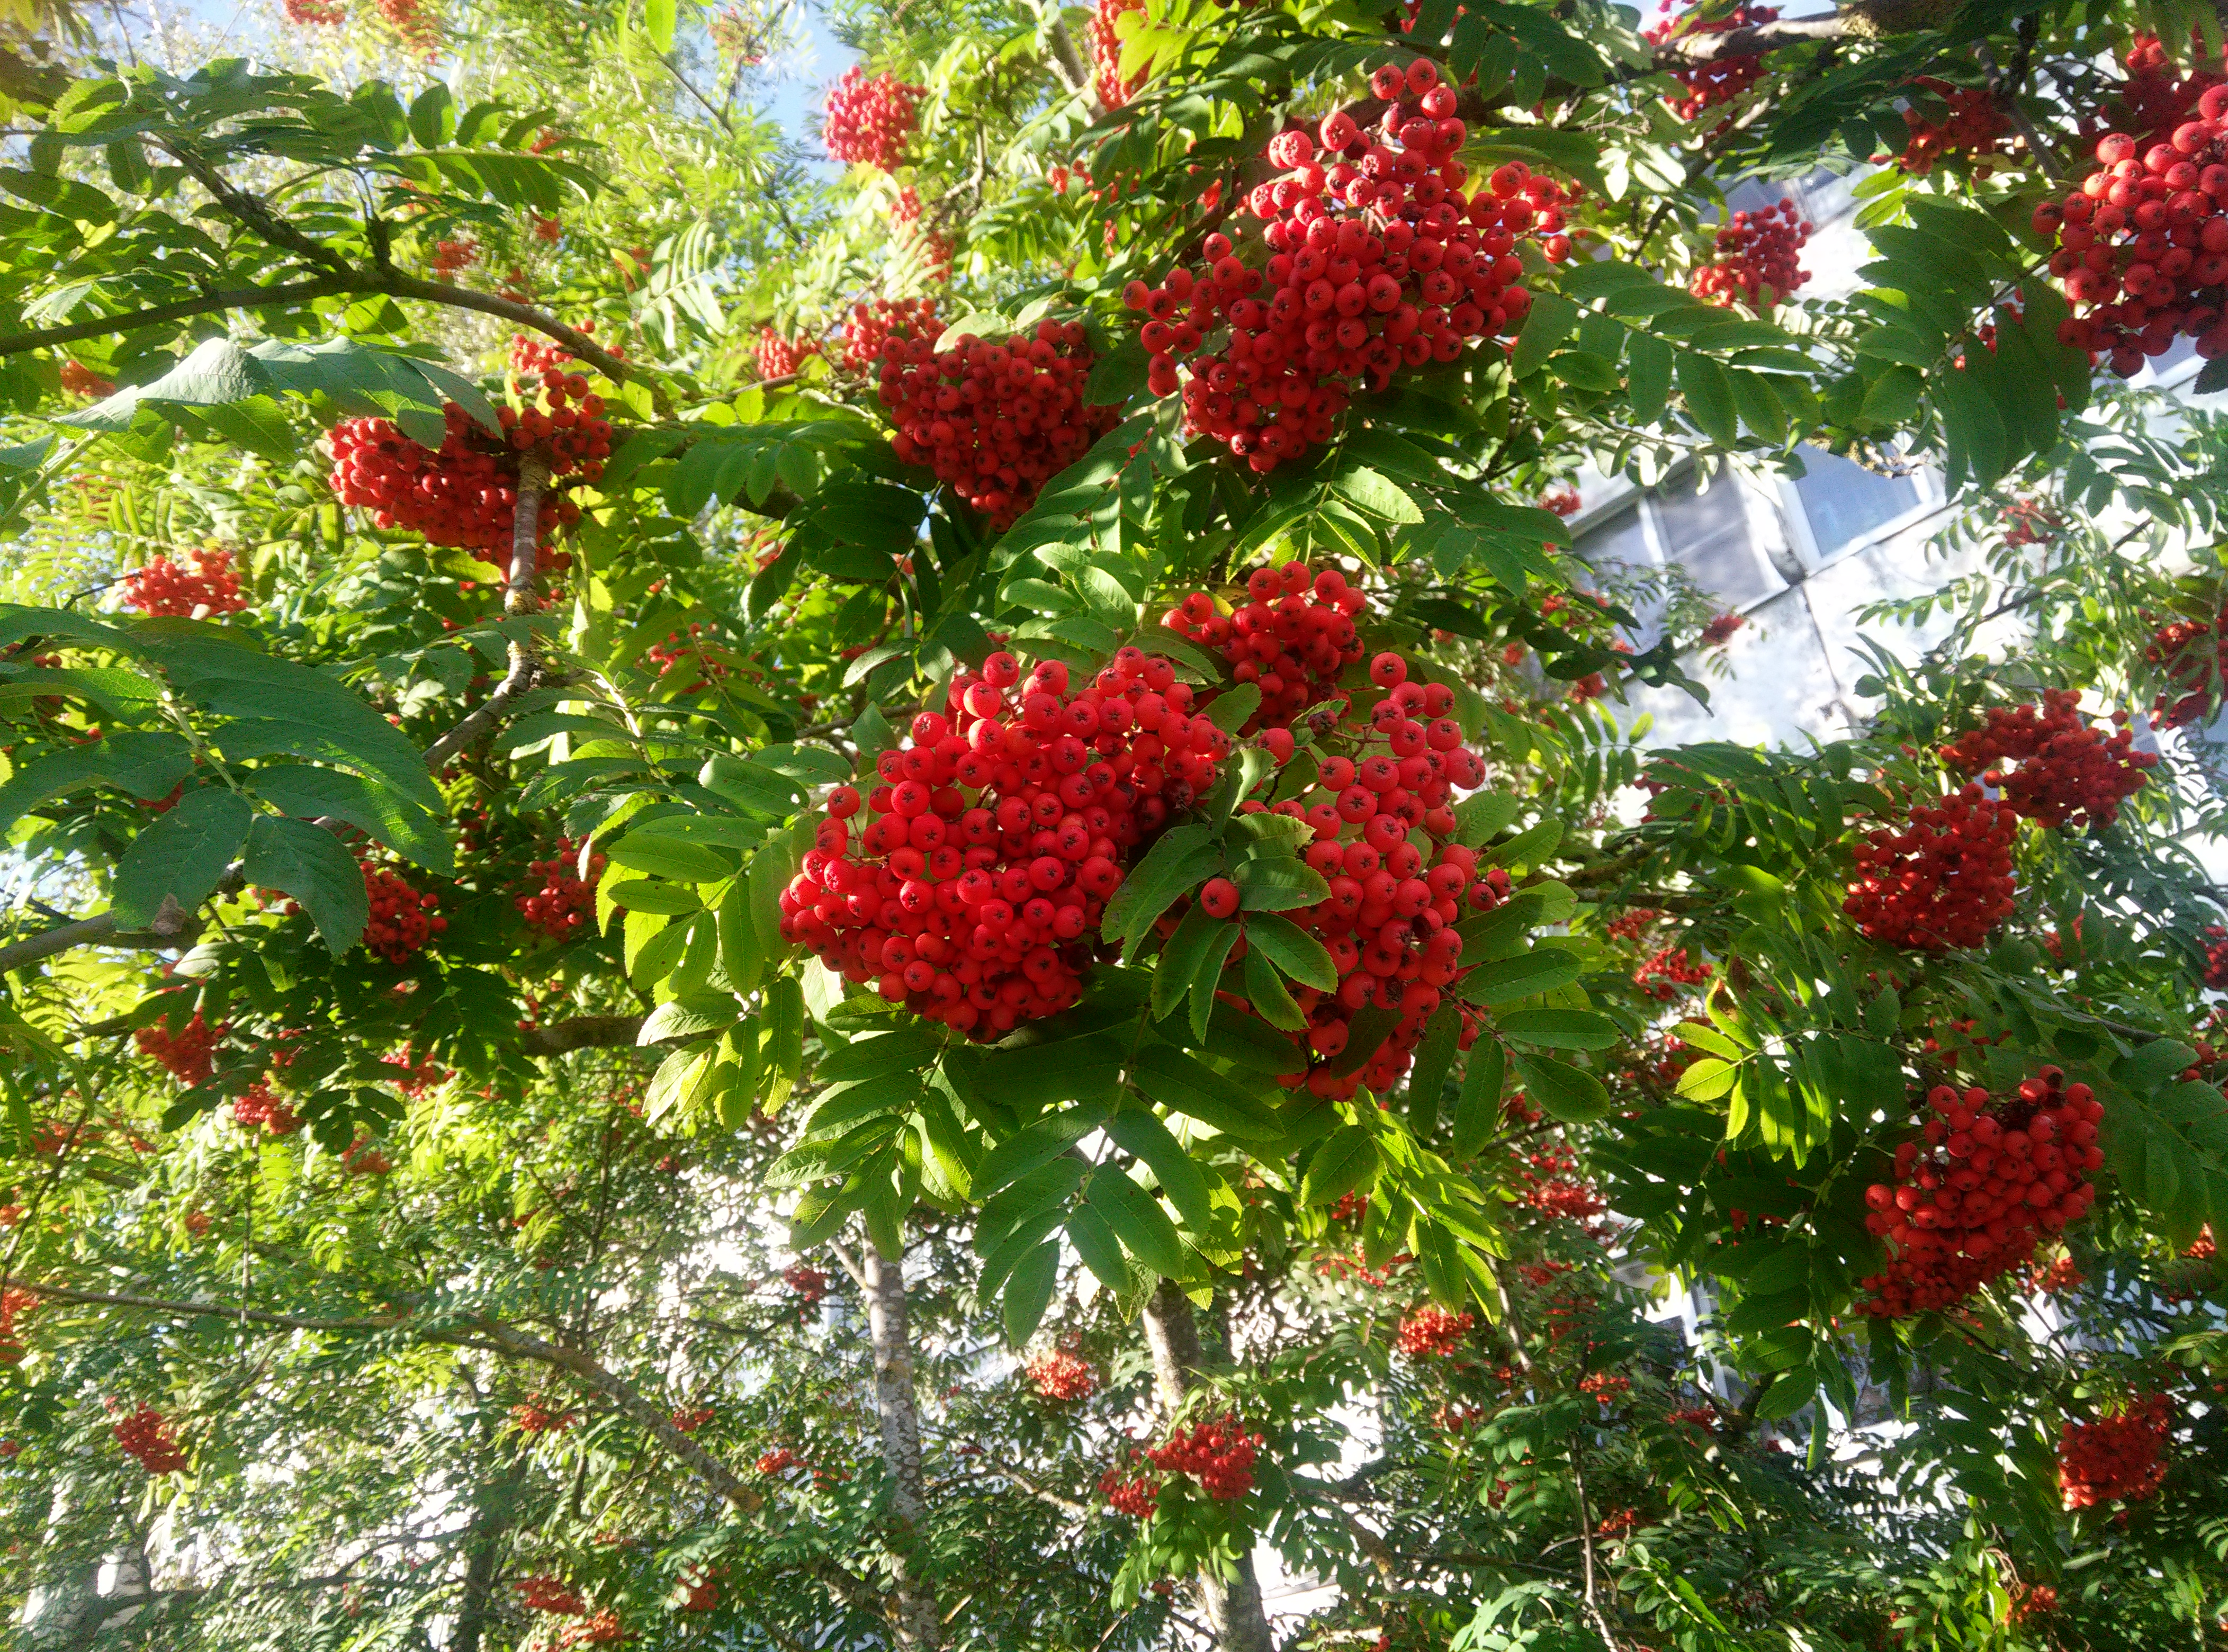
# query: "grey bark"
{"type": "Point", "coordinates": [1233, 1605]}
{"type": "Point", "coordinates": [889, 1329]}
{"type": "Point", "coordinates": [493, 1514]}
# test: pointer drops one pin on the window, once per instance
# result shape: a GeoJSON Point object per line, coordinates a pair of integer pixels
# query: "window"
{"type": "Point", "coordinates": [1705, 532]}
{"type": "Point", "coordinates": [1843, 501]}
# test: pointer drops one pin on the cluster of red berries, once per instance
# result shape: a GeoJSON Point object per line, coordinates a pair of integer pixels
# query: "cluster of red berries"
{"type": "Point", "coordinates": [774, 1461]}
{"type": "Point", "coordinates": [1432, 1333]}
{"type": "Point", "coordinates": [532, 1415]}
{"type": "Point", "coordinates": [142, 1434]}
{"type": "Point", "coordinates": [1719, 631]}
{"type": "Point", "coordinates": [167, 587]}
{"type": "Point", "coordinates": [1388, 919]}
{"type": "Point", "coordinates": [1969, 1205]}
{"type": "Point", "coordinates": [465, 495]}
{"type": "Point", "coordinates": [2032, 523]}
{"type": "Point", "coordinates": [1106, 52]}
{"type": "Point", "coordinates": [1605, 1386]}
{"type": "Point", "coordinates": [402, 919]}
{"type": "Point", "coordinates": [809, 1285]}
{"type": "Point", "coordinates": [603, 1629]}
{"type": "Point", "coordinates": [779, 357]}
{"type": "Point", "coordinates": [565, 902]}
{"type": "Point", "coordinates": [1378, 260]}
{"type": "Point", "coordinates": [924, 241]}
{"type": "Point", "coordinates": [1722, 79]}
{"type": "Point", "coordinates": [362, 1157]}
{"type": "Point", "coordinates": [872, 326]}
{"type": "Point", "coordinates": [541, 1592]}
{"type": "Point", "coordinates": [2195, 669]}
{"type": "Point", "coordinates": [14, 1304]}
{"type": "Point", "coordinates": [259, 1108]}
{"type": "Point", "coordinates": [2120, 1459]}
{"type": "Point", "coordinates": [414, 1075]}
{"type": "Point", "coordinates": [1562, 501]}
{"type": "Point", "coordinates": [1060, 1375]}
{"type": "Point", "coordinates": [2067, 772]}
{"type": "Point", "coordinates": [978, 914]}
{"type": "Point", "coordinates": [2030, 1602]}
{"type": "Point", "coordinates": [867, 122]}
{"type": "Point", "coordinates": [1667, 971]}
{"type": "Point", "coordinates": [994, 420]}
{"type": "Point", "coordinates": [1758, 259]}
{"type": "Point", "coordinates": [1294, 639]}
{"type": "Point", "coordinates": [2061, 1273]}
{"type": "Point", "coordinates": [679, 651]}
{"type": "Point", "coordinates": [698, 1592]}
{"type": "Point", "coordinates": [1943, 881]}
{"type": "Point", "coordinates": [82, 380]}
{"type": "Point", "coordinates": [187, 1055]}
{"type": "Point", "coordinates": [1976, 127]}
{"type": "Point", "coordinates": [1218, 1453]}
{"type": "Point", "coordinates": [2142, 243]}
{"type": "Point", "coordinates": [1552, 1187]}
{"type": "Point", "coordinates": [1134, 1494]}
{"type": "Point", "coordinates": [532, 356]}
{"type": "Point", "coordinates": [688, 1420]}
{"type": "Point", "coordinates": [451, 256]}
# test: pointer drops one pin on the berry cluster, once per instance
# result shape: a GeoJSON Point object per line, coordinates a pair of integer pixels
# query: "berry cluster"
{"type": "Point", "coordinates": [80, 380]}
{"type": "Point", "coordinates": [1605, 1386]}
{"type": "Point", "coordinates": [1433, 1332]}
{"type": "Point", "coordinates": [532, 1415]}
{"type": "Point", "coordinates": [699, 1592]}
{"type": "Point", "coordinates": [687, 1421]}
{"type": "Point", "coordinates": [14, 1304]}
{"type": "Point", "coordinates": [978, 913]}
{"type": "Point", "coordinates": [2032, 523]}
{"type": "Point", "coordinates": [362, 1157]}
{"type": "Point", "coordinates": [867, 122]}
{"type": "Point", "coordinates": [2061, 1273]}
{"type": "Point", "coordinates": [605, 1629]}
{"type": "Point", "coordinates": [465, 495]}
{"type": "Point", "coordinates": [874, 325]}
{"type": "Point", "coordinates": [677, 651]}
{"type": "Point", "coordinates": [774, 1461]}
{"type": "Point", "coordinates": [402, 919]}
{"type": "Point", "coordinates": [142, 1434]}
{"type": "Point", "coordinates": [2142, 243]}
{"type": "Point", "coordinates": [1969, 1205]}
{"type": "Point", "coordinates": [1378, 260]}
{"type": "Point", "coordinates": [1294, 639]}
{"type": "Point", "coordinates": [541, 1592]}
{"type": "Point", "coordinates": [259, 1108]}
{"type": "Point", "coordinates": [1218, 1453]}
{"type": "Point", "coordinates": [1135, 1495]}
{"type": "Point", "coordinates": [1722, 80]}
{"type": "Point", "coordinates": [565, 901]}
{"type": "Point", "coordinates": [923, 241]}
{"type": "Point", "coordinates": [415, 1074]}
{"type": "Point", "coordinates": [449, 257]}
{"type": "Point", "coordinates": [1976, 126]}
{"type": "Point", "coordinates": [810, 1284]}
{"type": "Point", "coordinates": [2120, 1459]}
{"type": "Point", "coordinates": [1943, 881]}
{"type": "Point", "coordinates": [187, 1055]}
{"type": "Point", "coordinates": [1106, 52]}
{"type": "Point", "coordinates": [1719, 631]}
{"type": "Point", "coordinates": [1388, 919]}
{"type": "Point", "coordinates": [995, 421]}
{"type": "Point", "coordinates": [1667, 971]}
{"type": "Point", "coordinates": [1552, 1187]}
{"type": "Point", "coordinates": [167, 587]}
{"type": "Point", "coordinates": [2196, 668]}
{"type": "Point", "coordinates": [1758, 259]}
{"type": "Point", "coordinates": [779, 357]}
{"type": "Point", "coordinates": [1562, 501]}
{"type": "Point", "coordinates": [1058, 1375]}
{"type": "Point", "coordinates": [2067, 772]}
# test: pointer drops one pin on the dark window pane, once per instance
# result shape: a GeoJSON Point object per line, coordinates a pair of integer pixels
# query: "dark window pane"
{"type": "Point", "coordinates": [1844, 500]}
{"type": "Point", "coordinates": [1620, 543]}
{"type": "Point", "coordinates": [1707, 535]}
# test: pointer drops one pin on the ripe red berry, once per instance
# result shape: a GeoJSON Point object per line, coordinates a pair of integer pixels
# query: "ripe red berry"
{"type": "Point", "coordinates": [1219, 898]}
{"type": "Point", "coordinates": [165, 588]}
{"type": "Point", "coordinates": [867, 121]}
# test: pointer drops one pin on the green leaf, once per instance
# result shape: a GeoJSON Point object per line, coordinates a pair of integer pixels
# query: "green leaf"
{"type": "Point", "coordinates": [1434, 1058]}
{"type": "Point", "coordinates": [1271, 1000]}
{"type": "Point", "coordinates": [1094, 1241]}
{"type": "Point", "coordinates": [1559, 1029]}
{"type": "Point", "coordinates": [146, 765]}
{"type": "Point", "coordinates": [406, 827]}
{"type": "Point", "coordinates": [1546, 325]}
{"type": "Point", "coordinates": [1279, 884]}
{"type": "Point", "coordinates": [1028, 1292]}
{"type": "Point", "coordinates": [1038, 1144]}
{"type": "Point", "coordinates": [1188, 1087]}
{"type": "Point", "coordinates": [681, 1082]}
{"type": "Point", "coordinates": [1647, 381]}
{"type": "Point", "coordinates": [741, 958]}
{"type": "Point", "coordinates": [658, 17]}
{"type": "Point", "coordinates": [1527, 974]}
{"type": "Point", "coordinates": [1143, 1136]}
{"type": "Point", "coordinates": [1347, 1159]}
{"type": "Point", "coordinates": [1482, 814]}
{"type": "Point", "coordinates": [1477, 1113]}
{"type": "Point", "coordinates": [1292, 950]}
{"type": "Point", "coordinates": [651, 851]}
{"type": "Point", "coordinates": [908, 1049]}
{"type": "Point", "coordinates": [750, 784]}
{"type": "Point", "coordinates": [310, 864]}
{"type": "Point", "coordinates": [1709, 395]}
{"type": "Point", "coordinates": [1183, 859]}
{"type": "Point", "coordinates": [1186, 956]}
{"type": "Point", "coordinates": [1233, 706]}
{"type": "Point", "coordinates": [1136, 1220]}
{"type": "Point", "coordinates": [1562, 1090]}
{"type": "Point", "coordinates": [181, 855]}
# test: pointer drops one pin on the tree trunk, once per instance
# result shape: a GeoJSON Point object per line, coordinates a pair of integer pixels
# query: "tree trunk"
{"type": "Point", "coordinates": [1233, 1604]}
{"type": "Point", "coordinates": [918, 1624]}
{"type": "Point", "coordinates": [494, 1513]}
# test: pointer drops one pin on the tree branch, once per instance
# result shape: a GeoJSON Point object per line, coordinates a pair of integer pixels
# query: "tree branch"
{"type": "Point", "coordinates": [324, 286]}
{"type": "Point", "coordinates": [582, 1032]}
